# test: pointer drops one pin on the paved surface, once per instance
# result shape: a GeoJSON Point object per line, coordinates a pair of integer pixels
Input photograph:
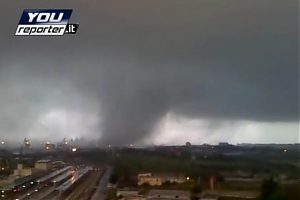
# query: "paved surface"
{"type": "Point", "coordinates": [102, 189]}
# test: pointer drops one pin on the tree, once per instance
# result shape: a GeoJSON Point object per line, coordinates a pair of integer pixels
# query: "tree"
{"type": "Point", "coordinates": [113, 179]}
{"type": "Point", "coordinates": [220, 178]}
{"type": "Point", "coordinates": [146, 184]}
{"type": "Point", "coordinates": [167, 183]}
{"type": "Point", "coordinates": [277, 196]}
{"type": "Point", "coordinates": [196, 189]}
{"type": "Point", "coordinates": [268, 188]}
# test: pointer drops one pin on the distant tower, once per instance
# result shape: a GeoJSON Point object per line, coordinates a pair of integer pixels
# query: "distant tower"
{"type": "Point", "coordinates": [26, 143]}
{"type": "Point", "coordinates": [2, 144]}
{"type": "Point", "coordinates": [25, 146]}
{"type": "Point", "coordinates": [188, 144]}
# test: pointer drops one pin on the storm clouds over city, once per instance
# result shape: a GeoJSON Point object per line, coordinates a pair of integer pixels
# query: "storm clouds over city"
{"type": "Point", "coordinates": [154, 71]}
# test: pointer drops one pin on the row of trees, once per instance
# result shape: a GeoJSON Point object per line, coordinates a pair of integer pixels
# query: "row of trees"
{"type": "Point", "coordinates": [271, 191]}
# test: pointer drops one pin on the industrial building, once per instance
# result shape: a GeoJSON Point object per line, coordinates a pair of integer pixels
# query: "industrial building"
{"type": "Point", "coordinates": [22, 171]}
{"type": "Point", "coordinates": [43, 165]}
{"type": "Point", "coordinates": [159, 179]}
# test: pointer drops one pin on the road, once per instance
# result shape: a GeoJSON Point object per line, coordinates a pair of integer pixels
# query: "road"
{"type": "Point", "coordinates": [102, 189]}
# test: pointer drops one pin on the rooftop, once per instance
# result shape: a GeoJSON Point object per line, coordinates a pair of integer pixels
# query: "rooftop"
{"type": "Point", "coordinates": [167, 175]}
{"type": "Point", "coordinates": [43, 161]}
{"type": "Point", "coordinates": [127, 193]}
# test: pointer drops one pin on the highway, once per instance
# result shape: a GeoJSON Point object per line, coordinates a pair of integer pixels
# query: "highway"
{"type": "Point", "coordinates": [102, 189]}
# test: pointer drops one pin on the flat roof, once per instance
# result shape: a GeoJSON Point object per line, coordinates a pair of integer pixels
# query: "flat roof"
{"type": "Point", "coordinates": [58, 162]}
{"type": "Point", "coordinates": [43, 161]}
{"type": "Point", "coordinates": [127, 192]}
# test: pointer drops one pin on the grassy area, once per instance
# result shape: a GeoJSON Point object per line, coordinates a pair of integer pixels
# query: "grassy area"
{"type": "Point", "coordinates": [239, 185]}
{"type": "Point", "coordinates": [111, 194]}
{"type": "Point", "coordinates": [292, 191]}
{"type": "Point", "coordinates": [234, 198]}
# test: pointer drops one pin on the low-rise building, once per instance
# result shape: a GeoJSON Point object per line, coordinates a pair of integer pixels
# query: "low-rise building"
{"type": "Point", "coordinates": [43, 165]}
{"type": "Point", "coordinates": [168, 195]}
{"type": "Point", "coordinates": [22, 171]}
{"type": "Point", "coordinates": [5, 181]}
{"type": "Point", "coordinates": [159, 179]}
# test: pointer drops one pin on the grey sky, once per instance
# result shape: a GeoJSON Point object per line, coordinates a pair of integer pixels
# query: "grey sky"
{"type": "Point", "coordinates": [224, 65]}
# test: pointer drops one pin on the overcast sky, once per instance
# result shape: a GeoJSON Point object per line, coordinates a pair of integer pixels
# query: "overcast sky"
{"type": "Point", "coordinates": [162, 71]}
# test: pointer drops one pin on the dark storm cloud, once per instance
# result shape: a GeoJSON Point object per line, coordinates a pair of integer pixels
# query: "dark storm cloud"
{"type": "Point", "coordinates": [219, 60]}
